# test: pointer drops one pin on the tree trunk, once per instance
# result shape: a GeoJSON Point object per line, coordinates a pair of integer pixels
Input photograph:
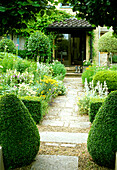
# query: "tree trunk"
{"type": "Point", "coordinates": [108, 62]}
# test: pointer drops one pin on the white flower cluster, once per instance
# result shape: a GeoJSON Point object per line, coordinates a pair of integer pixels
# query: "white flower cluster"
{"type": "Point", "coordinates": [99, 90]}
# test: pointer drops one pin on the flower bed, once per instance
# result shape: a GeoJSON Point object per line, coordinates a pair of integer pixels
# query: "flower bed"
{"type": "Point", "coordinates": [24, 78]}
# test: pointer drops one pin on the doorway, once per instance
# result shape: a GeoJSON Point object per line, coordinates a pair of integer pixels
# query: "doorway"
{"type": "Point", "coordinates": [71, 48]}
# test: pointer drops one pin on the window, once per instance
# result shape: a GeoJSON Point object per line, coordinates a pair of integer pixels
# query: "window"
{"type": "Point", "coordinates": [65, 5]}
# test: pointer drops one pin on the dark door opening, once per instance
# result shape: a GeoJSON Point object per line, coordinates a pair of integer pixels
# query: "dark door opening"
{"type": "Point", "coordinates": [71, 48]}
{"type": "Point", "coordinates": [78, 49]}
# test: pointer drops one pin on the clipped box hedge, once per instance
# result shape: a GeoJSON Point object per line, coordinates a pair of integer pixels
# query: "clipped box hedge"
{"type": "Point", "coordinates": [94, 105]}
{"type": "Point", "coordinates": [109, 76]}
{"type": "Point", "coordinates": [102, 138]}
{"type": "Point", "coordinates": [19, 135]}
{"type": "Point", "coordinates": [34, 105]}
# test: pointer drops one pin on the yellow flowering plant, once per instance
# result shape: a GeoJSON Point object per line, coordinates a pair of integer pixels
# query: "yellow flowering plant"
{"type": "Point", "coordinates": [47, 87]}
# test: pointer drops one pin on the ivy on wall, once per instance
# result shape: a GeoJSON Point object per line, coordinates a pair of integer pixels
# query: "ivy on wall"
{"type": "Point", "coordinates": [91, 42]}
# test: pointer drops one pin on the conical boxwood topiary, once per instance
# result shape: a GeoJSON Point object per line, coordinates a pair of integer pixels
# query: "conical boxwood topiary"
{"type": "Point", "coordinates": [19, 135]}
{"type": "Point", "coordinates": [102, 138]}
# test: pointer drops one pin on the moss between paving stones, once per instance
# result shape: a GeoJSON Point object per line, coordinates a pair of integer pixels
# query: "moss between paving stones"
{"type": "Point", "coordinates": [19, 135]}
{"type": "Point", "coordinates": [102, 139]}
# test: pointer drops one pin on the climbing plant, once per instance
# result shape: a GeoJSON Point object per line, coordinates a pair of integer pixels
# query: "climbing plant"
{"type": "Point", "coordinates": [92, 36]}
{"type": "Point", "coordinates": [42, 21]}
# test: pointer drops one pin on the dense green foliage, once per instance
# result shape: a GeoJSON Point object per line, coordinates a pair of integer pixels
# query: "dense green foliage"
{"type": "Point", "coordinates": [94, 105]}
{"type": "Point", "coordinates": [102, 139]}
{"type": "Point", "coordinates": [34, 105]}
{"type": "Point", "coordinates": [19, 136]}
{"type": "Point", "coordinates": [91, 71]}
{"type": "Point", "coordinates": [58, 70]}
{"type": "Point", "coordinates": [7, 45]}
{"type": "Point", "coordinates": [88, 73]}
{"type": "Point", "coordinates": [16, 14]}
{"type": "Point", "coordinates": [98, 12]}
{"type": "Point", "coordinates": [39, 45]}
{"type": "Point", "coordinates": [114, 59]}
{"type": "Point", "coordinates": [107, 43]}
{"type": "Point", "coordinates": [109, 76]}
{"type": "Point", "coordinates": [11, 61]}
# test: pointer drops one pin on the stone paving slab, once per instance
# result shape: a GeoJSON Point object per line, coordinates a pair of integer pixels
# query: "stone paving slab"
{"type": "Point", "coordinates": [79, 125]}
{"type": "Point", "coordinates": [66, 121]}
{"type": "Point", "coordinates": [52, 123]}
{"type": "Point", "coordinates": [55, 162]}
{"type": "Point", "coordinates": [63, 137]}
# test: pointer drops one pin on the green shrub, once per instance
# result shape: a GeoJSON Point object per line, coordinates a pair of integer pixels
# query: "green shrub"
{"type": "Point", "coordinates": [19, 136]}
{"type": "Point", "coordinates": [22, 65]}
{"type": "Point", "coordinates": [39, 44]}
{"type": "Point", "coordinates": [108, 43]}
{"type": "Point", "coordinates": [89, 73]}
{"type": "Point", "coordinates": [25, 54]}
{"type": "Point", "coordinates": [113, 67]}
{"type": "Point", "coordinates": [109, 76]}
{"type": "Point", "coordinates": [114, 59]}
{"type": "Point", "coordinates": [102, 138]}
{"type": "Point", "coordinates": [34, 106]}
{"type": "Point", "coordinates": [7, 45]}
{"type": "Point", "coordinates": [59, 70]}
{"type": "Point", "coordinates": [11, 61]}
{"type": "Point", "coordinates": [94, 105]}
{"type": "Point", "coordinates": [8, 60]}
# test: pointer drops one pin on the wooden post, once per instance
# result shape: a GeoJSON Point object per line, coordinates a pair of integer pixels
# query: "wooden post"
{"type": "Point", "coordinates": [1, 160]}
{"type": "Point", "coordinates": [108, 62]}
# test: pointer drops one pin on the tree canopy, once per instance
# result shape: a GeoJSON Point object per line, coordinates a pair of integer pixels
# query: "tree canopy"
{"type": "Point", "coordinates": [16, 14]}
{"type": "Point", "coordinates": [42, 21]}
{"type": "Point", "coordinates": [107, 43]}
{"type": "Point", "coordinates": [97, 12]}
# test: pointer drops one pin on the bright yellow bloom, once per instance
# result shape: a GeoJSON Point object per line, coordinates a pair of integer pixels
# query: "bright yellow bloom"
{"type": "Point", "coordinates": [87, 68]}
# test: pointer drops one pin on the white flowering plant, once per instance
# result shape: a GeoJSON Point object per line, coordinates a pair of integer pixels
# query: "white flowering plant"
{"type": "Point", "coordinates": [98, 91]}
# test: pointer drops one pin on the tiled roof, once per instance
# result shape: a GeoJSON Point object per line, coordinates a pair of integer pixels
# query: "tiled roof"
{"type": "Point", "coordinates": [71, 23]}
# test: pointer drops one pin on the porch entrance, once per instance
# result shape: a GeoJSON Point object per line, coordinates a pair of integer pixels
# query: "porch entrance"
{"type": "Point", "coordinates": [71, 49]}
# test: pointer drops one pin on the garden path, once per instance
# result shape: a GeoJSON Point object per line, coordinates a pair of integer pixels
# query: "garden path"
{"type": "Point", "coordinates": [63, 127]}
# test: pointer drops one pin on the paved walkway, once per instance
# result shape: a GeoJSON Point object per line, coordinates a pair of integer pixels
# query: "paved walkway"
{"type": "Point", "coordinates": [57, 124]}
{"type": "Point", "coordinates": [64, 110]}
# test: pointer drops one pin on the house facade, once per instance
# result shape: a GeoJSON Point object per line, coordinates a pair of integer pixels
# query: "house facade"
{"type": "Point", "coordinates": [73, 42]}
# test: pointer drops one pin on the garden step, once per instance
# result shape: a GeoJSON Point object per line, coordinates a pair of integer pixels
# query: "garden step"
{"type": "Point", "coordinates": [73, 74]}
{"type": "Point", "coordinates": [55, 162]}
{"type": "Point", "coordinates": [63, 137]}
{"type": "Point", "coordinates": [66, 123]}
